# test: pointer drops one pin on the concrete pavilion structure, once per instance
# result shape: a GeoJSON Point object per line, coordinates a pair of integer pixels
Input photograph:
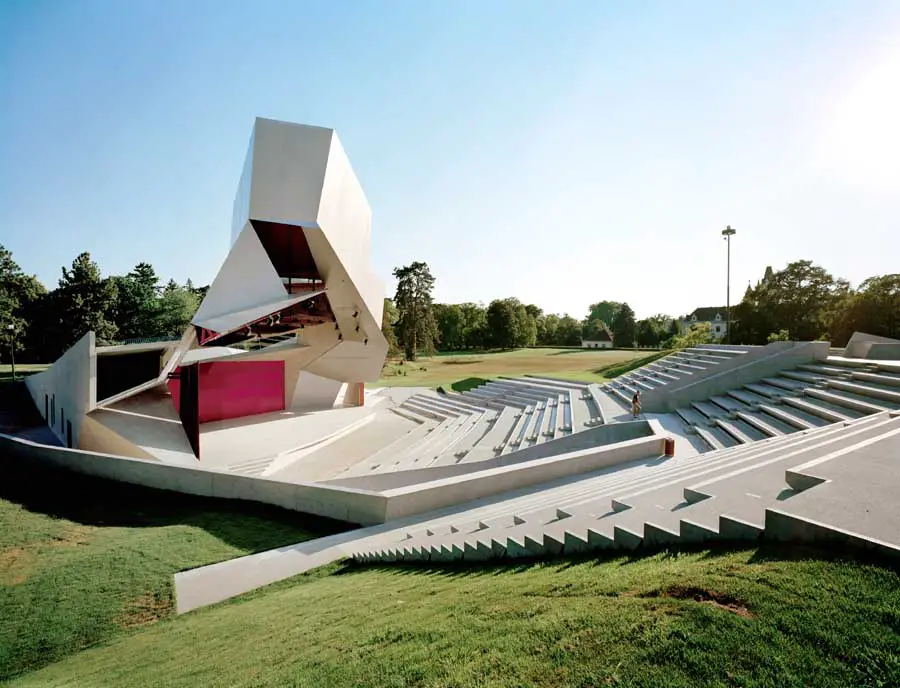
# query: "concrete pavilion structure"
{"type": "Point", "coordinates": [297, 283]}
{"type": "Point", "coordinates": [788, 441]}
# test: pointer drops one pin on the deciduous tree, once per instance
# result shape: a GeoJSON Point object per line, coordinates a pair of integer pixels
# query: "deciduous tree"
{"type": "Point", "coordinates": [623, 327]}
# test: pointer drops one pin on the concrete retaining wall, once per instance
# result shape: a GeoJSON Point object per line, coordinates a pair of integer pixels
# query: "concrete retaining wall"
{"type": "Point", "coordinates": [588, 439]}
{"type": "Point", "coordinates": [860, 346]}
{"type": "Point", "coordinates": [366, 507]}
{"type": "Point", "coordinates": [762, 362]}
{"type": "Point", "coordinates": [67, 390]}
{"type": "Point", "coordinates": [406, 501]}
{"type": "Point", "coordinates": [882, 351]}
{"type": "Point", "coordinates": [344, 504]}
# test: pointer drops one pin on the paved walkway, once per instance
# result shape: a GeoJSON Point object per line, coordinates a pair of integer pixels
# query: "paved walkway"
{"type": "Point", "coordinates": [685, 444]}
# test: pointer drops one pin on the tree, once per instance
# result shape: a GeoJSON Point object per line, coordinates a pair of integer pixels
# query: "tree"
{"type": "Point", "coordinates": [451, 325]}
{"type": "Point", "coordinates": [547, 329]}
{"type": "Point", "coordinates": [82, 303]}
{"type": "Point", "coordinates": [700, 333]}
{"type": "Point", "coordinates": [388, 319]}
{"type": "Point", "coordinates": [474, 325]}
{"type": "Point", "coordinates": [780, 336]}
{"type": "Point", "coordinates": [802, 299]}
{"type": "Point", "coordinates": [623, 327]}
{"type": "Point", "coordinates": [174, 310]}
{"type": "Point", "coordinates": [874, 309]}
{"type": "Point", "coordinates": [416, 326]}
{"type": "Point", "coordinates": [568, 331]}
{"type": "Point", "coordinates": [502, 324]}
{"type": "Point", "coordinates": [19, 294]}
{"type": "Point", "coordinates": [653, 330]}
{"type": "Point", "coordinates": [601, 316]}
{"type": "Point", "coordinates": [526, 326]}
{"type": "Point", "coordinates": [646, 334]}
{"type": "Point", "coordinates": [137, 309]}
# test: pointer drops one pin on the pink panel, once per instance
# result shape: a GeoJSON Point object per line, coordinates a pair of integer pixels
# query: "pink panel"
{"type": "Point", "coordinates": [174, 386]}
{"type": "Point", "coordinates": [240, 388]}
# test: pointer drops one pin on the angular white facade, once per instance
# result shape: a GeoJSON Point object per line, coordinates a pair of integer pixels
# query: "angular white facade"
{"type": "Point", "coordinates": [292, 320]}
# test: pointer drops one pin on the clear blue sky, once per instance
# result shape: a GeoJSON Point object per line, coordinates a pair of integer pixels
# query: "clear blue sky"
{"type": "Point", "coordinates": [561, 152]}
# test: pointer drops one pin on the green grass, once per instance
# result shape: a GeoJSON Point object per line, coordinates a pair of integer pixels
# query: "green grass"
{"type": "Point", "coordinates": [769, 617]}
{"type": "Point", "coordinates": [84, 560]}
{"type": "Point", "coordinates": [451, 369]}
{"type": "Point", "coordinates": [22, 370]}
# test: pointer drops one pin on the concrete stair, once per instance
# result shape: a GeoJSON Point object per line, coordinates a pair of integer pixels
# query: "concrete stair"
{"type": "Point", "coordinates": [719, 495]}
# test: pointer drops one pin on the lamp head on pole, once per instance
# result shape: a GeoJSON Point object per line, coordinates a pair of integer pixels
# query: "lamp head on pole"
{"type": "Point", "coordinates": [728, 231]}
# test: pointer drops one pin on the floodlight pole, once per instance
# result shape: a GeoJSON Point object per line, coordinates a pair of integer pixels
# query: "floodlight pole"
{"type": "Point", "coordinates": [727, 233]}
{"type": "Point", "coordinates": [12, 349]}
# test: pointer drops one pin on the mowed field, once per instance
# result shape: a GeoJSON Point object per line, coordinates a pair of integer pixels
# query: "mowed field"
{"type": "Point", "coordinates": [464, 370]}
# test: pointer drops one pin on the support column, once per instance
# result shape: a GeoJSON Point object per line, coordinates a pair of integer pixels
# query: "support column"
{"type": "Point", "coordinates": [189, 405]}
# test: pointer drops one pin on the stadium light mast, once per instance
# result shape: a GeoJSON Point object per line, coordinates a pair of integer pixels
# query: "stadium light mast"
{"type": "Point", "coordinates": [727, 233]}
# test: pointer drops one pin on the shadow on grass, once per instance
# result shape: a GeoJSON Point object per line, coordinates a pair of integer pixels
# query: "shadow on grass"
{"type": "Point", "coordinates": [565, 352]}
{"type": "Point", "coordinates": [760, 552]}
{"type": "Point", "coordinates": [99, 502]}
{"type": "Point", "coordinates": [468, 383]}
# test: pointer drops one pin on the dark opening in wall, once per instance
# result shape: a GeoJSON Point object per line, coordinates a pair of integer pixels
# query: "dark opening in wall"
{"type": "Point", "coordinates": [116, 373]}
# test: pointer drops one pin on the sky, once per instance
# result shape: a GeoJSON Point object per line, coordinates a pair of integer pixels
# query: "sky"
{"type": "Point", "coordinates": [560, 152]}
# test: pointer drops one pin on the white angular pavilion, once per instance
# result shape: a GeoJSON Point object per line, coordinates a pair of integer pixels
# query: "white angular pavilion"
{"type": "Point", "coordinates": [290, 325]}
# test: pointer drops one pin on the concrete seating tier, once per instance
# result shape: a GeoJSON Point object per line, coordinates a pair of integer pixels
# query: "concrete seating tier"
{"type": "Point", "coordinates": [499, 417]}
{"type": "Point", "coordinates": [740, 493]}
{"type": "Point", "coordinates": [808, 397]}
{"type": "Point", "coordinates": [672, 368]}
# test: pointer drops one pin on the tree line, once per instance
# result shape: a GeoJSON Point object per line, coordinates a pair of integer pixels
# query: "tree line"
{"type": "Point", "coordinates": [802, 302]}
{"type": "Point", "coordinates": [414, 323]}
{"type": "Point", "coordinates": [46, 322]}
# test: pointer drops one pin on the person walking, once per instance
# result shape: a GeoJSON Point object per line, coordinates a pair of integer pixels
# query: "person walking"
{"type": "Point", "coordinates": [636, 404]}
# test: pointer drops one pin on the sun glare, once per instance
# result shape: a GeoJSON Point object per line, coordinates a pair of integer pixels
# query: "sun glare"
{"type": "Point", "coordinates": [861, 142]}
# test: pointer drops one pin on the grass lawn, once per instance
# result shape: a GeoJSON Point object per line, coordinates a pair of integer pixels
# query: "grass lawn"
{"type": "Point", "coordinates": [22, 369]}
{"type": "Point", "coordinates": [466, 370]}
{"type": "Point", "coordinates": [766, 617]}
{"type": "Point", "coordinates": [83, 560]}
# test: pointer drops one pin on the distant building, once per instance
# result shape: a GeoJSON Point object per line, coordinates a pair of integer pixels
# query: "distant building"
{"type": "Point", "coordinates": [716, 316]}
{"type": "Point", "coordinates": [601, 340]}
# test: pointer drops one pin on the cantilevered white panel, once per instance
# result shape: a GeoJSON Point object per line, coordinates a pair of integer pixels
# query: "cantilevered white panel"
{"type": "Point", "coordinates": [246, 280]}
{"type": "Point", "coordinates": [116, 349]}
{"type": "Point", "coordinates": [346, 295]}
{"type": "Point", "coordinates": [344, 213]}
{"type": "Point", "coordinates": [210, 353]}
{"type": "Point", "coordinates": [288, 171]}
{"type": "Point", "coordinates": [240, 211]}
{"type": "Point", "coordinates": [231, 321]}
{"type": "Point", "coordinates": [351, 361]}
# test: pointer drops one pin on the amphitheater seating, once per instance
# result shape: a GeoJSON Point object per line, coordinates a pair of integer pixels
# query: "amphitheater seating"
{"type": "Point", "coordinates": [496, 418]}
{"type": "Point", "coordinates": [723, 494]}
{"type": "Point", "coordinates": [671, 368]}
{"type": "Point", "coordinates": [806, 454]}
{"type": "Point", "coordinates": [811, 396]}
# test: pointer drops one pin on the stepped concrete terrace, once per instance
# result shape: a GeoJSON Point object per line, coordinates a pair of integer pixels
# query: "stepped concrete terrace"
{"type": "Point", "coordinates": [679, 367]}
{"type": "Point", "coordinates": [766, 489]}
{"type": "Point", "coordinates": [803, 398]}
{"type": "Point", "coordinates": [810, 452]}
{"type": "Point", "coordinates": [413, 429]}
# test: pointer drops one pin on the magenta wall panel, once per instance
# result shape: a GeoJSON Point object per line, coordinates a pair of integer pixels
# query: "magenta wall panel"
{"type": "Point", "coordinates": [174, 385]}
{"type": "Point", "coordinates": [234, 389]}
